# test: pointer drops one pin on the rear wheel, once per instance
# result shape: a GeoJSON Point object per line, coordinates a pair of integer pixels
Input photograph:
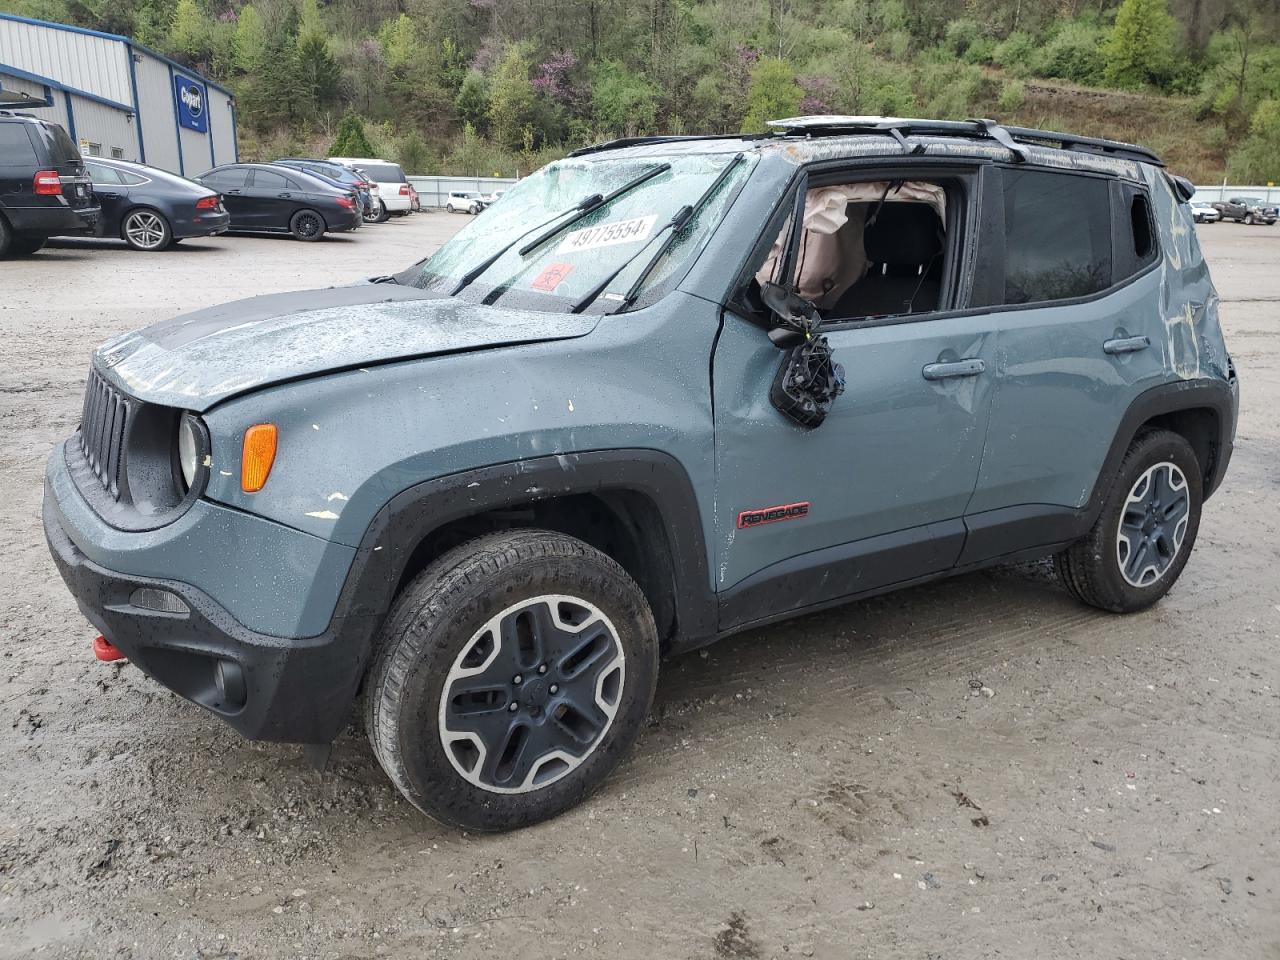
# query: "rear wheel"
{"type": "Point", "coordinates": [1144, 534]}
{"type": "Point", "coordinates": [514, 674]}
{"type": "Point", "coordinates": [6, 236]}
{"type": "Point", "coordinates": [307, 225]}
{"type": "Point", "coordinates": [146, 230]}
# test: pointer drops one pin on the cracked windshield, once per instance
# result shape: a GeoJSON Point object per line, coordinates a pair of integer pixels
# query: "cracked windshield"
{"type": "Point", "coordinates": [589, 235]}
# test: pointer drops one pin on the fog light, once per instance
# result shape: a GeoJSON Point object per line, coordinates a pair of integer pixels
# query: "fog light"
{"type": "Point", "coordinates": [161, 601]}
{"type": "Point", "coordinates": [229, 679]}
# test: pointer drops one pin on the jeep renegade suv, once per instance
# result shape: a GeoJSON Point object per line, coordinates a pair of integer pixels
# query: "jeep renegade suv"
{"type": "Point", "coordinates": [668, 389]}
{"type": "Point", "coordinates": [44, 191]}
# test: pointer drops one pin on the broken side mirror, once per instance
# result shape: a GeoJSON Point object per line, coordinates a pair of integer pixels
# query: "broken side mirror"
{"type": "Point", "coordinates": [794, 316]}
{"type": "Point", "coordinates": [808, 380]}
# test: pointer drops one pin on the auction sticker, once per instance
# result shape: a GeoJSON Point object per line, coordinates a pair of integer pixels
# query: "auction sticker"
{"type": "Point", "coordinates": [608, 234]}
{"type": "Point", "coordinates": [551, 277]}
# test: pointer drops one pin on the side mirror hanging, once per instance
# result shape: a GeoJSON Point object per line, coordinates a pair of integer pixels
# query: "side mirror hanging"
{"type": "Point", "coordinates": [808, 380]}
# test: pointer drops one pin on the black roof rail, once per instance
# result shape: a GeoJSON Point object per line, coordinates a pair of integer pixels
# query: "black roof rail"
{"type": "Point", "coordinates": [621, 142]}
{"type": "Point", "coordinates": [1009, 137]}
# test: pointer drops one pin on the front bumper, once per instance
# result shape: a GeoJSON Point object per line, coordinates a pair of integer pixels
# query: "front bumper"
{"type": "Point", "coordinates": [294, 684]}
{"type": "Point", "coordinates": [267, 688]}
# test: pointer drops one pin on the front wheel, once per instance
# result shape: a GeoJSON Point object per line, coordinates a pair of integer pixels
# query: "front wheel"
{"type": "Point", "coordinates": [1248, 219]}
{"type": "Point", "coordinates": [307, 225]}
{"type": "Point", "coordinates": [1142, 538]}
{"type": "Point", "coordinates": [146, 230]}
{"type": "Point", "coordinates": [514, 673]}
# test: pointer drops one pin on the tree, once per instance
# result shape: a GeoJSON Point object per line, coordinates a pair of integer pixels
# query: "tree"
{"type": "Point", "coordinates": [250, 42]}
{"type": "Point", "coordinates": [510, 96]}
{"type": "Point", "coordinates": [1142, 46]}
{"type": "Point", "coordinates": [622, 101]}
{"type": "Point", "coordinates": [191, 31]}
{"type": "Point", "coordinates": [352, 140]}
{"type": "Point", "coordinates": [318, 72]}
{"type": "Point", "coordinates": [412, 154]}
{"type": "Point", "coordinates": [1258, 158]}
{"type": "Point", "coordinates": [772, 95]}
{"type": "Point", "coordinates": [472, 102]}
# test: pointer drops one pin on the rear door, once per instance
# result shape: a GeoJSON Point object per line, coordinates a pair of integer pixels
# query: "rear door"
{"type": "Point", "coordinates": [273, 200]}
{"type": "Point", "coordinates": [1069, 272]}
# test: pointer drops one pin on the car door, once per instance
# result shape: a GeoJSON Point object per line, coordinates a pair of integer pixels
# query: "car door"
{"type": "Point", "coordinates": [1069, 271]}
{"type": "Point", "coordinates": [276, 198]}
{"type": "Point", "coordinates": [112, 193]}
{"type": "Point", "coordinates": [875, 494]}
{"type": "Point", "coordinates": [232, 182]}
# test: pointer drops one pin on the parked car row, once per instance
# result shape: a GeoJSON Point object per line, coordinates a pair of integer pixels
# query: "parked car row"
{"type": "Point", "coordinates": [1247, 210]}
{"type": "Point", "coordinates": [47, 189]}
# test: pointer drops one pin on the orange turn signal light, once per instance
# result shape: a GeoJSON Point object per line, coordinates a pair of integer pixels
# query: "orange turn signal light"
{"type": "Point", "coordinates": [257, 457]}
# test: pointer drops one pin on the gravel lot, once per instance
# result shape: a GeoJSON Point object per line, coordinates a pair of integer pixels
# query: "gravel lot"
{"type": "Point", "coordinates": [826, 788]}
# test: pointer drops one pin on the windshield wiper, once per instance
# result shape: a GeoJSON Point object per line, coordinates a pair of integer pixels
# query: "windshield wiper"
{"type": "Point", "coordinates": [672, 228]}
{"type": "Point", "coordinates": [579, 209]}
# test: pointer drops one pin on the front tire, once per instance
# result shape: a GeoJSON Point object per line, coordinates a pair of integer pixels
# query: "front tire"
{"type": "Point", "coordinates": [146, 230]}
{"type": "Point", "coordinates": [307, 225]}
{"type": "Point", "coordinates": [514, 673]}
{"type": "Point", "coordinates": [1248, 219]}
{"type": "Point", "coordinates": [1141, 540]}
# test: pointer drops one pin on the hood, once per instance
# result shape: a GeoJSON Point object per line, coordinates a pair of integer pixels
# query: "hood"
{"type": "Point", "coordinates": [199, 359]}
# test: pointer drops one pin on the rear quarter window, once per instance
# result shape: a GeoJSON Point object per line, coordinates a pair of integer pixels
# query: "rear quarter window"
{"type": "Point", "coordinates": [15, 146]}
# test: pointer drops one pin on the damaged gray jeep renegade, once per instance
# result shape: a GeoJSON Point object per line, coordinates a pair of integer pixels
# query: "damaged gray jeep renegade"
{"type": "Point", "coordinates": [668, 389]}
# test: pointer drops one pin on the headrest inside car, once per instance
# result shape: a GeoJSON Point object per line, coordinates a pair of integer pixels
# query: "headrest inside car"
{"type": "Point", "coordinates": [903, 234]}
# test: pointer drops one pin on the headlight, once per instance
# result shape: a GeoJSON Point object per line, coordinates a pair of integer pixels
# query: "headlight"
{"type": "Point", "coordinates": [189, 444]}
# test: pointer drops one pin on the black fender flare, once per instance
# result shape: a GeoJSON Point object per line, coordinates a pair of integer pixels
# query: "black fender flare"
{"type": "Point", "coordinates": [1218, 396]}
{"type": "Point", "coordinates": [411, 516]}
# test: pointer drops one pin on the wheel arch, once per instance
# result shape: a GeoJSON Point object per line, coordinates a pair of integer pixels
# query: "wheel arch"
{"type": "Point", "coordinates": [1202, 411]}
{"type": "Point", "coordinates": [636, 506]}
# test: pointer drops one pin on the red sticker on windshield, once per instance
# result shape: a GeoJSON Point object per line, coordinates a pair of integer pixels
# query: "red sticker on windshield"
{"type": "Point", "coordinates": [552, 277]}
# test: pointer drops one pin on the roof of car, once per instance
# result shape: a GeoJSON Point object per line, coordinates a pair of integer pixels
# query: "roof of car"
{"type": "Point", "coordinates": [805, 139]}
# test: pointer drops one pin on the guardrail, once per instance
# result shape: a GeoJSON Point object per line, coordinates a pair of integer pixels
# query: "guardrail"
{"type": "Point", "coordinates": [434, 191]}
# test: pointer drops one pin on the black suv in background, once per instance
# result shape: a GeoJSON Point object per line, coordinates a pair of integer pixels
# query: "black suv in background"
{"type": "Point", "coordinates": [44, 191]}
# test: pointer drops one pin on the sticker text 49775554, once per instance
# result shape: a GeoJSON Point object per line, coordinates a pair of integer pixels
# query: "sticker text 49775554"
{"type": "Point", "coordinates": [608, 234]}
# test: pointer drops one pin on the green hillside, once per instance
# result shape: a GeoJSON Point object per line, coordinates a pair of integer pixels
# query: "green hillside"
{"type": "Point", "coordinates": [496, 86]}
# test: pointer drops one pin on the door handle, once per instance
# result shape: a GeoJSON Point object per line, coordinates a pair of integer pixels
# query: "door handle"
{"type": "Point", "coordinates": [284, 196]}
{"type": "Point", "coordinates": [955, 368]}
{"type": "Point", "coordinates": [234, 192]}
{"type": "Point", "coordinates": [1126, 345]}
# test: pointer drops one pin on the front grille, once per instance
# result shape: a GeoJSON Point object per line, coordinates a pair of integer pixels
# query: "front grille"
{"type": "Point", "coordinates": [102, 431]}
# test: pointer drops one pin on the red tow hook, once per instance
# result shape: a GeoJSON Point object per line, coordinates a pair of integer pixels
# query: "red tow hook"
{"type": "Point", "coordinates": [106, 651]}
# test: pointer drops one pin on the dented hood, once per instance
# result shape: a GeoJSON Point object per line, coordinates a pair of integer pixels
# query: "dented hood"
{"type": "Point", "coordinates": [196, 360]}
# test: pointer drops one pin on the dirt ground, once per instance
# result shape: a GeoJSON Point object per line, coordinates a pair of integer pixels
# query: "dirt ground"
{"type": "Point", "coordinates": [832, 788]}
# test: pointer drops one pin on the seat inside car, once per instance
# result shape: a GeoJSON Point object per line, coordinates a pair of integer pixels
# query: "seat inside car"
{"type": "Point", "coordinates": [904, 247]}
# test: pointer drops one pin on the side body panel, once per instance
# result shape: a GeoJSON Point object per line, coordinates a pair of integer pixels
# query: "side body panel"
{"type": "Point", "coordinates": [350, 442]}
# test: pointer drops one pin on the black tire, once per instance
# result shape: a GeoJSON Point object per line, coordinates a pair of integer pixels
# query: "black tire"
{"type": "Point", "coordinates": [24, 244]}
{"type": "Point", "coordinates": [1094, 569]}
{"type": "Point", "coordinates": [1248, 219]}
{"type": "Point", "coordinates": [6, 236]}
{"type": "Point", "coordinates": [146, 230]}
{"type": "Point", "coordinates": [307, 225]}
{"type": "Point", "coordinates": [443, 622]}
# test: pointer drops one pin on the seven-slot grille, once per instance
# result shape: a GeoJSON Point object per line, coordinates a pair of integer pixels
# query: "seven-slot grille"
{"type": "Point", "coordinates": [102, 431]}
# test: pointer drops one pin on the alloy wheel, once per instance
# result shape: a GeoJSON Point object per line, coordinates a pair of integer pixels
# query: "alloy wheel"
{"type": "Point", "coordinates": [532, 694]}
{"type": "Point", "coordinates": [308, 225]}
{"type": "Point", "coordinates": [1153, 524]}
{"type": "Point", "coordinates": [145, 230]}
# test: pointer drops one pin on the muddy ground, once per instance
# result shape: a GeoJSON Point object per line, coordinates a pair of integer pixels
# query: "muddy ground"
{"type": "Point", "coordinates": [827, 788]}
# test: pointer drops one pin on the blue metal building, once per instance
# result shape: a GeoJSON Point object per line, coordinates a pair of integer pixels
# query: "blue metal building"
{"type": "Point", "coordinates": [115, 97]}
